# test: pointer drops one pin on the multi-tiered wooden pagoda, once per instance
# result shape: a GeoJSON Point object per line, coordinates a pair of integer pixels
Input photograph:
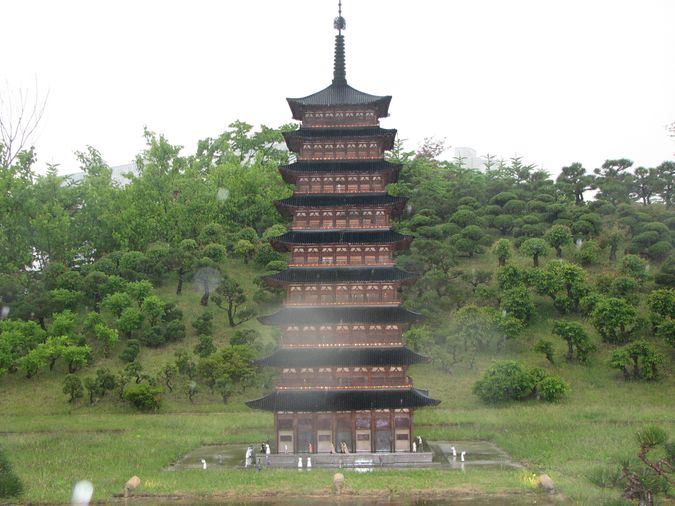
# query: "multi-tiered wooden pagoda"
{"type": "Point", "coordinates": [343, 360]}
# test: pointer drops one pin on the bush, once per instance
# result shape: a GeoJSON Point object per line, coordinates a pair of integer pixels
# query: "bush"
{"type": "Point", "coordinates": [517, 302]}
{"type": "Point", "coordinates": [10, 484]}
{"type": "Point", "coordinates": [510, 381]}
{"type": "Point", "coordinates": [203, 324]}
{"type": "Point", "coordinates": [546, 347]}
{"type": "Point", "coordinates": [72, 386]}
{"type": "Point", "coordinates": [588, 254]}
{"type": "Point", "coordinates": [504, 381]}
{"type": "Point", "coordinates": [143, 397]}
{"type": "Point", "coordinates": [552, 389]}
{"type": "Point", "coordinates": [131, 351]}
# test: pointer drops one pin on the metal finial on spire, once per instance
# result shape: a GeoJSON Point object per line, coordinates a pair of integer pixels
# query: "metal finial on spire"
{"type": "Point", "coordinates": [339, 22]}
{"type": "Point", "coordinates": [339, 73]}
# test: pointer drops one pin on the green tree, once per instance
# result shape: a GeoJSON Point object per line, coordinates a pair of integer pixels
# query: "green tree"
{"type": "Point", "coordinates": [244, 249]}
{"type": "Point", "coordinates": [144, 397]}
{"type": "Point", "coordinates": [93, 287]}
{"type": "Point", "coordinates": [208, 277]}
{"type": "Point", "coordinates": [107, 336]}
{"type": "Point", "coordinates": [224, 388]}
{"type": "Point", "coordinates": [131, 351]}
{"type": "Point", "coordinates": [210, 369]}
{"type": "Point", "coordinates": [637, 360]}
{"type": "Point", "coordinates": [168, 375]}
{"type": "Point", "coordinates": [534, 248]}
{"type": "Point", "coordinates": [204, 346]}
{"type": "Point", "coordinates": [93, 389]}
{"type": "Point", "coordinates": [72, 387]}
{"type": "Point", "coordinates": [665, 186]}
{"type": "Point", "coordinates": [504, 381]}
{"type": "Point", "coordinates": [546, 347]}
{"type": "Point", "coordinates": [648, 477]}
{"type": "Point", "coordinates": [578, 341]}
{"type": "Point", "coordinates": [230, 297]}
{"type": "Point", "coordinates": [139, 290]}
{"type": "Point", "coordinates": [502, 250]}
{"type": "Point", "coordinates": [558, 236]}
{"type": "Point", "coordinates": [661, 304]}
{"type": "Point", "coordinates": [130, 321]}
{"type": "Point", "coordinates": [185, 365]}
{"type": "Point", "coordinates": [76, 357]}
{"type": "Point", "coordinates": [10, 484]}
{"type": "Point", "coordinates": [238, 363]}
{"type": "Point", "coordinates": [182, 260]}
{"type": "Point", "coordinates": [574, 181]}
{"type": "Point", "coordinates": [615, 320]}
{"type": "Point", "coordinates": [614, 181]}
{"type": "Point", "coordinates": [63, 324]}
{"type": "Point", "coordinates": [203, 324]}
{"type": "Point", "coordinates": [517, 302]}
{"type": "Point", "coordinates": [117, 302]}
{"type": "Point", "coordinates": [153, 309]}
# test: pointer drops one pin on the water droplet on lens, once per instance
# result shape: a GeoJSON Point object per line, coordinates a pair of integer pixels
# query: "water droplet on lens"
{"type": "Point", "coordinates": [222, 194]}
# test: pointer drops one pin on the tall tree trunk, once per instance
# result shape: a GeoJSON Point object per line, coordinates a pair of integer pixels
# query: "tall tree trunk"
{"type": "Point", "coordinates": [207, 293]}
{"type": "Point", "coordinates": [535, 260]}
{"type": "Point", "coordinates": [179, 288]}
{"type": "Point", "coordinates": [558, 251]}
{"type": "Point", "coordinates": [230, 314]}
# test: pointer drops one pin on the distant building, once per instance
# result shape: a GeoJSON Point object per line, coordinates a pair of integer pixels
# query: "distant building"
{"type": "Point", "coordinates": [469, 158]}
{"type": "Point", "coordinates": [118, 174]}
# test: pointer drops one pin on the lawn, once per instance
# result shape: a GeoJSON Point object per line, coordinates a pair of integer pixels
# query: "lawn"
{"type": "Point", "coordinates": [53, 444]}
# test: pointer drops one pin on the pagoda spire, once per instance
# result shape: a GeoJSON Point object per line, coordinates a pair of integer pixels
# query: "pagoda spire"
{"type": "Point", "coordinates": [339, 71]}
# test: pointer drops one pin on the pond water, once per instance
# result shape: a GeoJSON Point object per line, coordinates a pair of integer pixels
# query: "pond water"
{"type": "Point", "coordinates": [486, 500]}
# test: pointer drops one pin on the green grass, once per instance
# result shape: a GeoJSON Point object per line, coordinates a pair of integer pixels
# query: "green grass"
{"type": "Point", "coordinates": [53, 444]}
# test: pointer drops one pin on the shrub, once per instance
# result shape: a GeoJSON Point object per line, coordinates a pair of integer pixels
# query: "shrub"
{"type": "Point", "coordinates": [174, 331]}
{"type": "Point", "coordinates": [634, 266]}
{"type": "Point", "coordinates": [588, 254]}
{"type": "Point", "coordinates": [504, 381]}
{"type": "Point", "coordinates": [143, 397]}
{"type": "Point", "coordinates": [637, 360]}
{"type": "Point", "coordinates": [131, 351]}
{"type": "Point", "coordinates": [203, 324]}
{"type": "Point", "coordinates": [615, 320]}
{"type": "Point", "coordinates": [153, 337]}
{"type": "Point", "coordinates": [552, 389]}
{"type": "Point", "coordinates": [72, 386]}
{"type": "Point", "coordinates": [205, 346]}
{"type": "Point", "coordinates": [546, 347]}
{"type": "Point", "coordinates": [10, 484]}
{"type": "Point", "coordinates": [517, 302]}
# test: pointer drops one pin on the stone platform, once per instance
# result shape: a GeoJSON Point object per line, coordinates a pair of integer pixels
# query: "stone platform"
{"type": "Point", "coordinates": [479, 454]}
{"type": "Point", "coordinates": [348, 460]}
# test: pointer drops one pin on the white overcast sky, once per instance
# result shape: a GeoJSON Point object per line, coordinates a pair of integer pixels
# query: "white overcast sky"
{"type": "Point", "coordinates": [553, 81]}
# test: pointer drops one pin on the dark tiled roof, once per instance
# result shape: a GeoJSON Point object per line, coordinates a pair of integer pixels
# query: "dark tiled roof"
{"type": "Point", "coordinates": [340, 166]}
{"type": "Point", "coordinates": [339, 95]}
{"type": "Point", "coordinates": [342, 314]}
{"type": "Point", "coordinates": [339, 357]}
{"type": "Point", "coordinates": [343, 200]}
{"type": "Point", "coordinates": [333, 400]}
{"type": "Point", "coordinates": [340, 237]}
{"type": "Point", "coordinates": [338, 275]}
{"type": "Point", "coordinates": [317, 133]}
{"type": "Point", "coordinates": [294, 137]}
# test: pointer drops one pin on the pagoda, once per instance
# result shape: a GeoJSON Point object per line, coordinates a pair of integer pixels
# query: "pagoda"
{"type": "Point", "coordinates": [343, 385]}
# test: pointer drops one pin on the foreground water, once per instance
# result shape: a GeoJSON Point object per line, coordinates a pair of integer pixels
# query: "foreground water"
{"type": "Point", "coordinates": [483, 500]}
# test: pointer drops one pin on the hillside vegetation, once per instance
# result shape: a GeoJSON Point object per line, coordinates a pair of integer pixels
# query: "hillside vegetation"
{"type": "Point", "coordinates": [128, 315]}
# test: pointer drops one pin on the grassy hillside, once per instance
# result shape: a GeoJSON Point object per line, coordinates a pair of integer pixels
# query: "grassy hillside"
{"type": "Point", "coordinates": [52, 443]}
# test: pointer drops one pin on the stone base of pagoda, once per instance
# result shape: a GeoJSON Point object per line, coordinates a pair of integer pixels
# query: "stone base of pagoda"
{"type": "Point", "coordinates": [350, 460]}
